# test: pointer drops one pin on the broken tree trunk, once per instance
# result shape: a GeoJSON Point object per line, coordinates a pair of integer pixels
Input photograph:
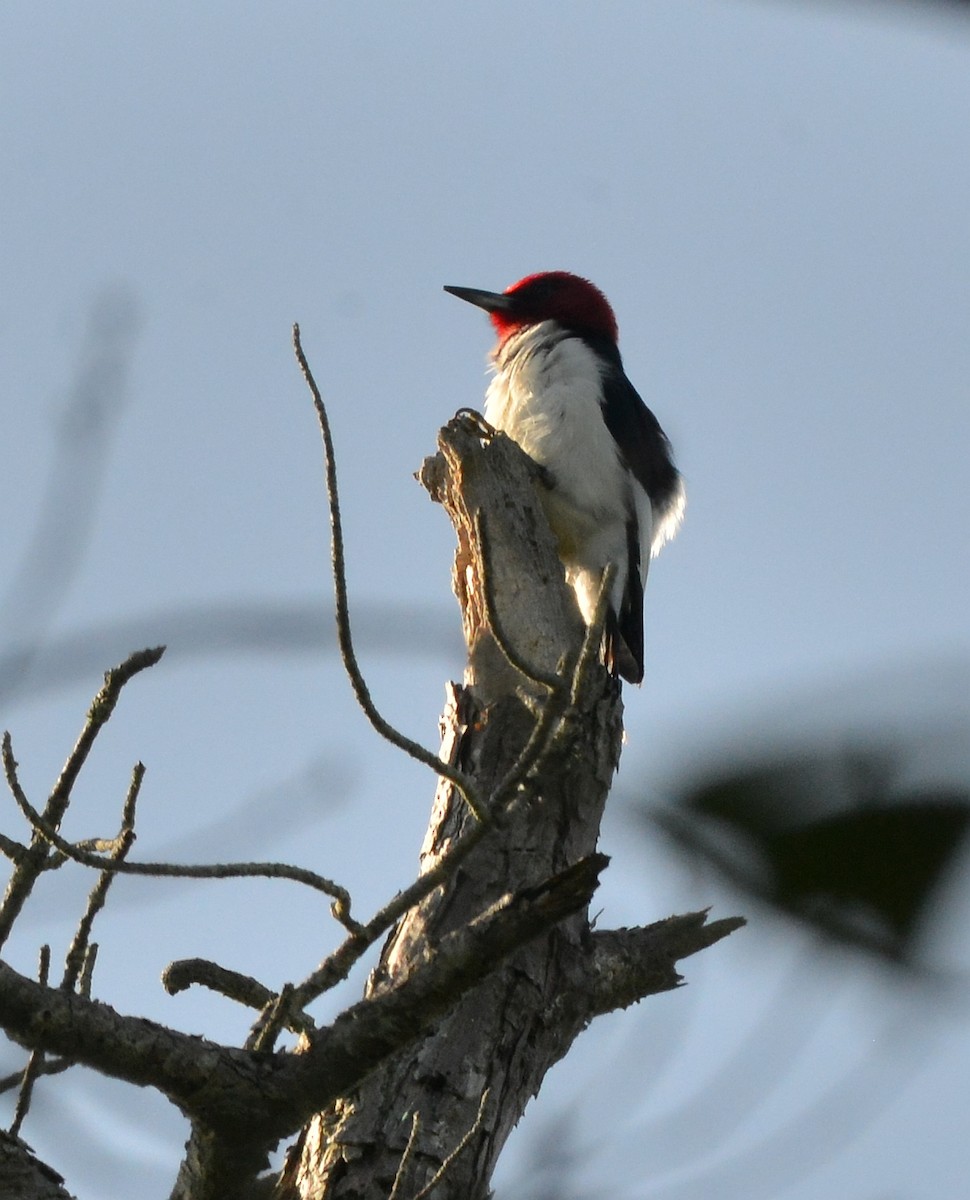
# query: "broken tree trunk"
{"type": "Point", "coordinates": [545, 756]}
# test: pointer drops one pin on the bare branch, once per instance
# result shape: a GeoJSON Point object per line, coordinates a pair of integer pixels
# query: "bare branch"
{"type": "Point", "coordinates": [387, 731]}
{"type": "Point", "coordinates": [99, 714]}
{"type": "Point", "coordinates": [628, 964]}
{"type": "Point", "coordinates": [338, 1057]}
{"type": "Point", "coordinates": [561, 704]}
{"type": "Point", "coordinates": [450, 1160]}
{"type": "Point", "coordinates": [373, 1028]}
{"type": "Point", "coordinates": [35, 1063]}
{"type": "Point", "coordinates": [340, 908]}
{"type": "Point", "coordinates": [243, 989]}
{"type": "Point", "coordinates": [337, 966]}
{"type": "Point", "coordinates": [406, 1156]}
{"type": "Point", "coordinates": [87, 970]}
{"type": "Point", "coordinates": [188, 1070]}
{"type": "Point", "coordinates": [35, 860]}
{"type": "Point", "coordinates": [77, 955]}
{"type": "Point", "coordinates": [50, 1066]}
{"type": "Point", "coordinates": [594, 636]}
{"type": "Point", "coordinates": [11, 849]}
{"type": "Point", "coordinates": [552, 683]}
{"type": "Point", "coordinates": [275, 1014]}
{"type": "Point", "coordinates": [266, 1096]}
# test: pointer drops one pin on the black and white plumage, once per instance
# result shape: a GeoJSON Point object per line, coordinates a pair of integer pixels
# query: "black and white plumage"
{"type": "Point", "coordinates": [613, 494]}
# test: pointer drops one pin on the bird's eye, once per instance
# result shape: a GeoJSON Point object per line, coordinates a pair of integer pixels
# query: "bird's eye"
{"type": "Point", "coordinates": [539, 292]}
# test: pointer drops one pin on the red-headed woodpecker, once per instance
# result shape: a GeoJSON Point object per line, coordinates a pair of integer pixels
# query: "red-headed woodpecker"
{"type": "Point", "coordinates": [611, 491]}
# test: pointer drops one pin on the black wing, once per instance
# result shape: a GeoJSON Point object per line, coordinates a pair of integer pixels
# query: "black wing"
{"type": "Point", "coordinates": [636, 431]}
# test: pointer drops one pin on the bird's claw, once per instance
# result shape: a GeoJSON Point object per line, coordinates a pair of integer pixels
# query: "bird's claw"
{"type": "Point", "coordinates": [471, 416]}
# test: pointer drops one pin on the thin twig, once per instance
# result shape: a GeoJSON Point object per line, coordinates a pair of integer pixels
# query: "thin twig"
{"type": "Point", "coordinates": [406, 1156]}
{"type": "Point", "coordinates": [440, 1173]}
{"type": "Point", "coordinates": [348, 655]}
{"type": "Point", "coordinates": [243, 989]}
{"type": "Point", "coordinates": [532, 753]}
{"type": "Point", "coordinates": [10, 765]}
{"type": "Point", "coordinates": [555, 716]}
{"type": "Point", "coordinates": [515, 660]}
{"type": "Point", "coordinates": [340, 908]}
{"type": "Point", "coordinates": [50, 1066]}
{"type": "Point", "coordinates": [555, 712]}
{"type": "Point", "coordinates": [87, 970]}
{"type": "Point", "coordinates": [24, 1097]}
{"type": "Point", "coordinates": [337, 966]}
{"type": "Point", "coordinates": [36, 859]}
{"type": "Point", "coordinates": [35, 1063]}
{"type": "Point", "coordinates": [77, 954]}
{"type": "Point", "coordinates": [275, 1015]}
{"type": "Point", "coordinates": [594, 636]}
{"type": "Point", "coordinates": [11, 849]}
{"type": "Point", "coordinates": [100, 712]}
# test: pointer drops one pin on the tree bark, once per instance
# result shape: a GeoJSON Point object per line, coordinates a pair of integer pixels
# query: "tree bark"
{"type": "Point", "coordinates": [23, 1176]}
{"type": "Point", "coordinates": [442, 1109]}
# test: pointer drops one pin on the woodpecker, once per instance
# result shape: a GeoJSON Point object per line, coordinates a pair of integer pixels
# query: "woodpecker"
{"type": "Point", "coordinates": [610, 489]}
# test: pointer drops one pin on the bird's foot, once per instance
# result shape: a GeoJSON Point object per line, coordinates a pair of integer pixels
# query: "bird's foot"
{"type": "Point", "coordinates": [472, 417]}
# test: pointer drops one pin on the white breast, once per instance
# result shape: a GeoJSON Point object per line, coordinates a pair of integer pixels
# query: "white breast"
{"type": "Point", "coordinates": [546, 396]}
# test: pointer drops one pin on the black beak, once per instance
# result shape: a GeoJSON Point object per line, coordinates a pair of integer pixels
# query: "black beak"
{"type": "Point", "coordinates": [490, 301]}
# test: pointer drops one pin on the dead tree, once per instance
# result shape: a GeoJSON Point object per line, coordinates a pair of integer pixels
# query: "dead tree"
{"type": "Point", "coordinates": [537, 726]}
{"type": "Point", "coordinates": [490, 968]}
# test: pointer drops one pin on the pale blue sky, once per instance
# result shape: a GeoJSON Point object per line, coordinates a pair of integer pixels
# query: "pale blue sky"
{"type": "Point", "coordinates": [773, 196]}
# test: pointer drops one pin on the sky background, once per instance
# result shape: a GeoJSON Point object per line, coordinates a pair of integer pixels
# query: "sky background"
{"type": "Point", "coordinates": [774, 197]}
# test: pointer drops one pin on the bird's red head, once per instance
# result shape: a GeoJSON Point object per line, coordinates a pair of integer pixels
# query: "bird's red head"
{"type": "Point", "coordinates": [545, 296]}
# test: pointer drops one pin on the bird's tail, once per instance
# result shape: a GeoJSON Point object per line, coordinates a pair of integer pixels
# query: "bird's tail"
{"type": "Point", "coordinates": [623, 646]}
